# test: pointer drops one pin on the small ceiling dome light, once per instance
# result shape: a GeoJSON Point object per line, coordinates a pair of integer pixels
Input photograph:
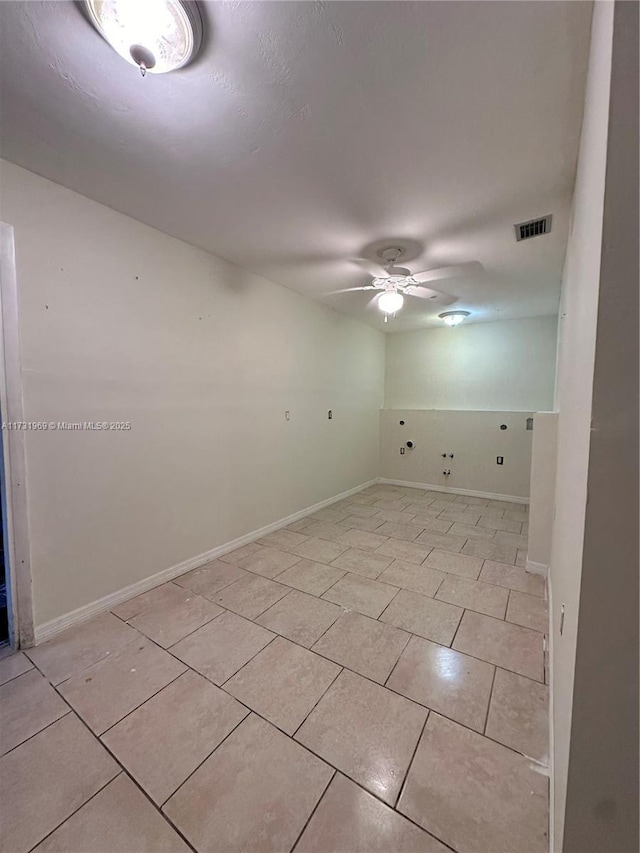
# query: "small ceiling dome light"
{"type": "Point", "coordinates": [454, 318]}
{"type": "Point", "coordinates": [156, 35]}
{"type": "Point", "coordinates": [390, 301]}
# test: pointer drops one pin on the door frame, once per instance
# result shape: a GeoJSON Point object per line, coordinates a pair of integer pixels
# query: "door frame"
{"type": "Point", "coordinates": [15, 519]}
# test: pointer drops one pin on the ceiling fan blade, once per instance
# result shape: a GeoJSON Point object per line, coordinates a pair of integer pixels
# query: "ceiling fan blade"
{"type": "Point", "coordinates": [374, 269]}
{"type": "Point", "coordinates": [453, 271]}
{"type": "Point", "coordinates": [350, 290]}
{"type": "Point", "coordinates": [428, 293]}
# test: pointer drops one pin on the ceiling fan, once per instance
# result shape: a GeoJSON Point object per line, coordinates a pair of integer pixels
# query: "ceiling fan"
{"type": "Point", "coordinates": [396, 282]}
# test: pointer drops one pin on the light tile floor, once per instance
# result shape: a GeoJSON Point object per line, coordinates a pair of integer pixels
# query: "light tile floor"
{"type": "Point", "coordinates": [370, 679]}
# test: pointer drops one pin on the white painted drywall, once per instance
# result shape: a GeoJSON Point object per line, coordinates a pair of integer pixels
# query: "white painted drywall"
{"type": "Point", "coordinates": [120, 322]}
{"type": "Point", "coordinates": [542, 491]}
{"type": "Point", "coordinates": [474, 438]}
{"type": "Point", "coordinates": [574, 397]}
{"type": "Point", "coordinates": [594, 568]}
{"type": "Point", "coordinates": [507, 365]}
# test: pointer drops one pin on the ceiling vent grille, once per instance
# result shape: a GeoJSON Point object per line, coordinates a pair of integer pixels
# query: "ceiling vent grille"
{"type": "Point", "coordinates": [533, 228]}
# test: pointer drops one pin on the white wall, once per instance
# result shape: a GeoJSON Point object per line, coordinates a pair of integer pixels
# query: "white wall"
{"type": "Point", "coordinates": [542, 490]}
{"type": "Point", "coordinates": [120, 322]}
{"type": "Point", "coordinates": [507, 365]}
{"type": "Point", "coordinates": [474, 438]}
{"type": "Point", "coordinates": [578, 321]}
{"type": "Point", "coordinates": [594, 566]}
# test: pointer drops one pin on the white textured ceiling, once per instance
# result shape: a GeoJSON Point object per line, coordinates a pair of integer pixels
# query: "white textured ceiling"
{"type": "Point", "coordinates": [309, 130]}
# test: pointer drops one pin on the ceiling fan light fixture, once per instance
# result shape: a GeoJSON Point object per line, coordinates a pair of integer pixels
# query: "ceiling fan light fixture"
{"type": "Point", "coordinates": [390, 301]}
{"type": "Point", "coordinates": [454, 318]}
{"type": "Point", "coordinates": [155, 35]}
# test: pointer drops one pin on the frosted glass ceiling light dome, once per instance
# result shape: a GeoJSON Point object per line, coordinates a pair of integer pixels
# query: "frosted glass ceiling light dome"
{"type": "Point", "coordinates": [390, 301]}
{"type": "Point", "coordinates": [156, 35]}
{"type": "Point", "coordinates": [453, 318]}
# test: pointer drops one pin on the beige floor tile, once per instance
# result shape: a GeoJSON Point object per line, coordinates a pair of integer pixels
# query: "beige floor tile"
{"type": "Point", "coordinates": [448, 501]}
{"type": "Point", "coordinates": [434, 525]}
{"type": "Point", "coordinates": [470, 531]}
{"type": "Point", "coordinates": [119, 819]}
{"type": "Point", "coordinates": [363, 563]}
{"type": "Point", "coordinates": [474, 595]}
{"type": "Point", "coordinates": [210, 579]}
{"type": "Point", "coordinates": [319, 550]}
{"type": "Point", "coordinates": [521, 558]}
{"type": "Point", "coordinates": [456, 564]}
{"type": "Point", "coordinates": [234, 557]}
{"type": "Point", "coordinates": [433, 620]}
{"type": "Point", "coordinates": [396, 504]}
{"type": "Point", "coordinates": [13, 665]}
{"type": "Point", "coordinates": [474, 794]}
{"type": "Point", "coordinates": [509, 646]}
{"type": "Point", "coordinates": [530, 611]}
{"type": "Point", "coordinates": [441, 540]}
{"type": "Point", "coordinates": [112, 688]}
{"type": "Point", "coordinates": [219, 649]}
{"type": "Point", "coordinates": [283, 683]}
{"type": "Point", "coordinates": [298, 525]}
{"type": "Point", "coordinates": [153, 599]}
{"type": "Point", "coordinates": [525, 529]}
{"type": "Point", "coordinates": [462, 516]}
{"type": "Point", "coordinates": [364, 645]}
{"type": "Point", "coordinates": [408, 552]}
{"type": "Point", "coordinates": [502, 524]}
{"type": "Point", "coordinates": [519, 715]}
{"type": "Point", "coordinates": [251, 596]}
{"type": "Point", "coordinates": [470, 500]}
{"type": "Point", "coordinates": [489, 549]}
{"type": "Point", "coordinates": [326, 530]}
{"type": "Point", "coordinates": [330, 514]}
{"type": "Point", "coordinates": [446, 681]}
{"type": "Point", "coordinates": [174, 618]}
{"type": "Point", "coordinates": [47, 778]}
{"type": "Point", "coordinates": [366, 731]}
{"type": "Point", "coordinates": [253, 795]}
{"type": "Point", "coordinates": [283, 538]}
{"type": "Point", "coordinates": [423, 509]}
{"type": "Point", "coordinates": [269, 562]}
{"type": "Point", "coordinates": [354, 592]}
{"type": "Point", "coordinates": [357, 522]}
{"type": "Point", "coordinates": [349, 820]}
{"type": "Point", "coordinates": [362, 539]}
{"type": "Point", "coordinates": [512, 577]}
{"type": "Point", "coordinates": [81, 646]}
{"type": "Point", "coordinates": [360, 510]}
{"type": "Point", "coordinates": [167, 738]}
{"type": "Point", "coordinates": [300, 617]}
{"type": "Point", "coordinates": [363, 499]}
{"type": "Point", "coordinates": [395, 515]}
{"type": "Point", "coordinates": [314, 578]}
{"type": "Point", "coordinates": [515, 540]}
{"type": "Point", "coordinates": [410, 576]}
{"type": "Point", "coordinates": [28, 704]}
{"type": "Point", "coordinates": [397, 530]}
{"type": "Point", "coordinates": [514, 515]}
{"type": "Point", "coordinates": [494, 512]}
{"type": "Point", "coordinates": [509, 506]}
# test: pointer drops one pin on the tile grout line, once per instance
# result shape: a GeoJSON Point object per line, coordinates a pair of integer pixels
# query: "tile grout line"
{"type": "Point", "coordinates": [486, 719]}
{"type": "Point", "coordinates": [313, 811]}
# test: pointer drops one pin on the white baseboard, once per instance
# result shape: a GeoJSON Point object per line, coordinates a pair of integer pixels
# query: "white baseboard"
{"type": "Point", "coordinates": [50, 629]}
{"type": "Point", "coordinates": [537, 568]}
{"type": "Point", "coordinates": [473, 494]}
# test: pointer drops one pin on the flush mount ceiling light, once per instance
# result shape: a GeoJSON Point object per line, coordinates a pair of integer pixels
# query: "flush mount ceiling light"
{"type": "Point", "coordinates": [155, 35]}
{"type": "Point", "coordinates": [390, 301]}
{"type": "Point", "coordinates": [454, 318]}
